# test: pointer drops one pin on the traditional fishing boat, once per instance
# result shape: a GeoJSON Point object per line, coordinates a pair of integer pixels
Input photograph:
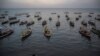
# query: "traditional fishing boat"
{"type": "Point", "coordinates": [71, 23]}
{"type": "Point", "coordinates": [5, 32]}
{"type": "Point", "coordinates": [95, 31]}
{"type": "Point", "coordinates": [47, 32]}
{"type": "Point", "coordinates": [44, 23]}
{"type": "Point", "coordinates": [50, 18]}
{"type": "Point", "coordinates": [84, 32]}
{"type": "Point", "coordinates": [30, 23]}
{"type": "Point", "coordinates": [22, 22]}
{"type": "Point", "coordinates": [58, 23]}
{"type": "Point", "coordinates": [14, 21]}
{"type": "Point", "coordinates": [26, 33]}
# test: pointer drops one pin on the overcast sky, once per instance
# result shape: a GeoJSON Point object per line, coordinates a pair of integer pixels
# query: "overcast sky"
{"type": "Point", "coordinates": [50, 3]}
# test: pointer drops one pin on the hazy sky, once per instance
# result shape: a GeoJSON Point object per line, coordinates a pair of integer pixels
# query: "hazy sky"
{"type": "Point", "coordinates": [50, 3]}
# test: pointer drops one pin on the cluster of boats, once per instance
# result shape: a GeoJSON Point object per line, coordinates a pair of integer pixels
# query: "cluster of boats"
{"type": "Point", "coordinates": [47, 32]}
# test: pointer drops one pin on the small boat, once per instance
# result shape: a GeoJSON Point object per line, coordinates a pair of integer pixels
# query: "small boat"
{"type": "Point", "coordinates": [26, 33]}
{"type": "Point", "coordinates": [5, 32]}
{"type": "Point", "coordinates": [84, 32]}
{"type": "Point", "coordinates": [27, 15]}
{"type": "Point", "coordinates": [71, 23]}
{"type": "Point", "coordinates": [58, 23]}
{"type": "Point", "coordinates": [89, 15]}
{"type": "Point", "coordinates": [77, 18]}
{"type": "Point", "coordinates": [67, 18]}
{"type": "Point", "coordinates": [39, 18]}
{"type": "Point", "coordinates": [97, 18]}
{"type": "Point", "coordinates": [84, 23]}
{"type": "Point", "coordinates": [50, 18]}
{"type": "Point", "coordinates": [4, 21]}
{"type": "Point", "coordinates": [12, 18]}
{"type": "Point", "coordinates": [14, 21]}
{"type": "Point", "coordinates": [22, 22]}
{"type": "Point", "coordinates": [91, 23]}
{"type": "Point", "coordinates": [36, 15]}
{"type": "Point", "coordinates": [30, 23]}
{"type": "Point", "coordinates": [53, 13]}
{"type": "Point", "coordinates": [44, 22]}
{"type": "Point", "coordinates": [2, 17]}
{"type": "Point", "coordinates": [47, 32]}
{"type": "Point", "coordinates": [95, 31]}
{"type": "Point", "coordinates": [58, 16]}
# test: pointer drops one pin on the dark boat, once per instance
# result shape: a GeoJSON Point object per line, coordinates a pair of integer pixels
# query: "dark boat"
{"type": "Point", "coordinates": [58, 16]}
{"type": "Point", "coordinates": [36, 15]}
{"type": "Point", "coordinates": [91, 23]}
{"type": "Point", "coordinates": [84, 23]}
{"type": "Point", "coordinates": [23, 22]}
{"type": "Point", "coordinates": [77, 19]}
{"type": "Point", "coordinates": [57, 23]}
{"type": "Point", "coordinates": [97, 18]}
{"type": "Point", "coordinates": [12, 18]}
{"type": "Point", "coordinates": [71, 23]}
{"type": "Point", "coordinates": [50, 18]}
{"type": "Point", "coordinates": [44, 22]}
{"type": "Point", "coordinates": [95, 31]}
{"type": "Point", "coordinates": [5, 32]}
{"type": "Point", "coordinates": [4, 22]}
{"type": "Point", "coordinates": [30, 23]}
{"type": "Point", "coordinates": [89, 15]}
{"type": "Point", "coordinates": [26, 33]}
{"type": "Point", "coordinates": [84, 32]}
{"type": "Point", "coordinates": [67, 18]}
{"type": "Point", "coordinates": [14, 21]}
{"type": "Point", "coordinates": [39, 18]}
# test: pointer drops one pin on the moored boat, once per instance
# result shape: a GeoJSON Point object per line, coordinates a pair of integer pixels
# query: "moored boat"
{"type": "Point", "coordinates": [26, 33]}
{"type": "Point", "coordinates": [5, 32]}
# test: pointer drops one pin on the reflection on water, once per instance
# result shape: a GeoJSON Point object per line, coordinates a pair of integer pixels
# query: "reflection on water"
{"type": "Point", "coordinates": [65, 40]}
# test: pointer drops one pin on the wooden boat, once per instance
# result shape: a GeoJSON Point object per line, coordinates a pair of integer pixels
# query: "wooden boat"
{"type": "Point", "coordinates": [97, 18]}
{"type": "Point", "coordinates": [22, 22]}
{"type": "Point", "coordinates": [89, 15]}
{"type": "Point", "coordinates": [58, 23]}
{"type": "Point", "coordinates": [47, 32]}
{"type": "Point", "coordinates": [4, 22]}
{"type": "Point", "coordinates": [77, 18]}
{"type": "Point", "coordinates": [44, 22]}
{"type": "Point", "coordinates": [26, 33]}
{"type": "Point", "coordinates": [39, 18]}
{"type": "Point", "coordinates": [58, 16]}
{"type": "Point", "coordinates": [84, 23]}
{"type": "Point", "coordinates": [5, 32]}
{"type": "Point", "coordinates": [68, 18]}
{"type": "Point", "coordinates": [91, 23]}
{"type": "Point", "coordinates": [36, 15]}
{"type": "Point", "coordinates": [14, 21]}
{"type": "Point", "coordinates": [95, 31]}
{"type": "Point", "coordinates": [30, 23]}
{"type": "Point", "coordinates": [12, 18]}
{"type": "Point", "coordinates": [84, 32]}
{"type": "Point", "coordinates": [71, 23]}
{"type": "Point", "coordinates": [50, 18]}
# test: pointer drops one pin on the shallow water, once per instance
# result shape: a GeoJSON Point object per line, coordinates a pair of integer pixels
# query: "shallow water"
{"type": "Point", "coordinates": [65, 41]}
